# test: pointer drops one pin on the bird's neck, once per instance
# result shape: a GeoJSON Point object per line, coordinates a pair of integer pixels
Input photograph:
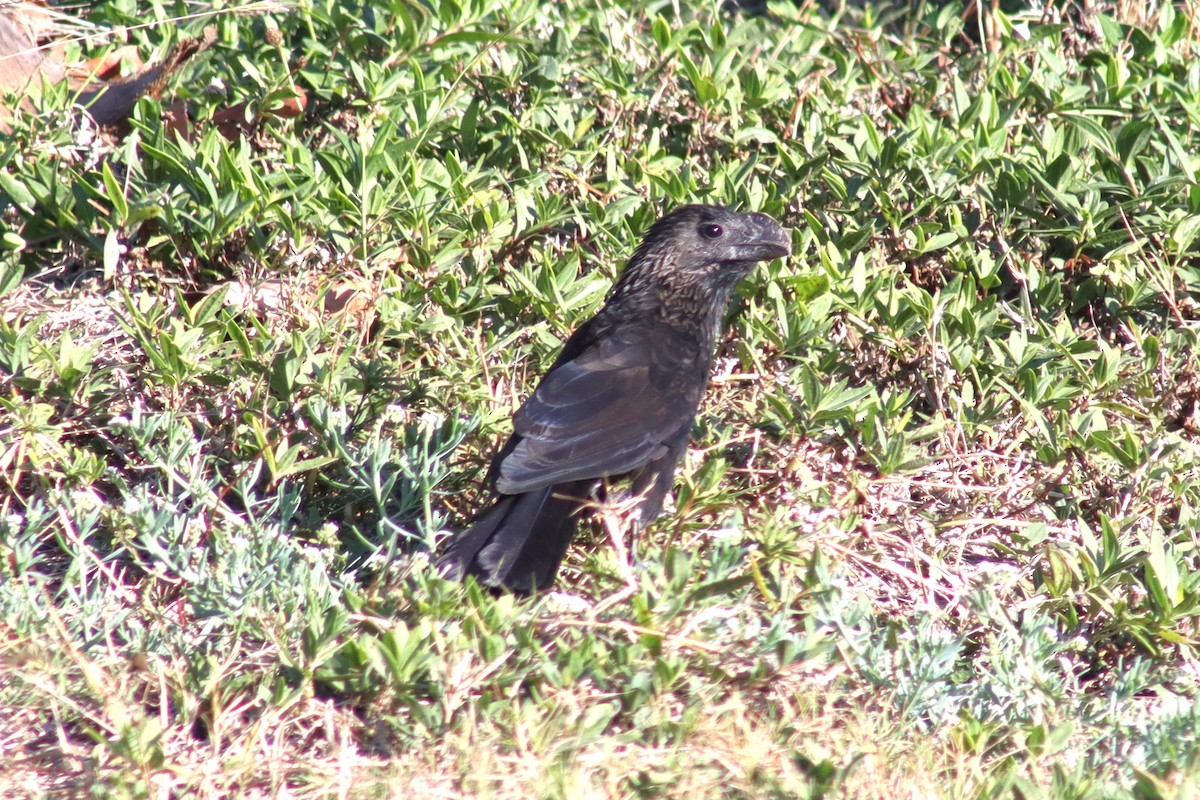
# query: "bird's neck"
{"type": "Point", "coordinates": [679, 301]}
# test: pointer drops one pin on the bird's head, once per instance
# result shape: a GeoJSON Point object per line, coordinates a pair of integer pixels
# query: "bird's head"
{"type": "Point", "coordinates": [702, 251]}
{"type": "Point", "coordinates": [701, 235]}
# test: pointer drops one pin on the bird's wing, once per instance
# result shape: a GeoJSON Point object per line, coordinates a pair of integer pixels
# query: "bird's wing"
{"type": "Point", "coordinates": [616, 406]}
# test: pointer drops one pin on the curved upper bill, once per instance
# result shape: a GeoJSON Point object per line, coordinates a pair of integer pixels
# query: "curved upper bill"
{"type": "Point", "coordinates": [767, 239]}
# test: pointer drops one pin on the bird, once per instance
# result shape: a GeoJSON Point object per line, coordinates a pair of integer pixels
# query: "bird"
{"type": "Point", "coordinates": [619, 401]}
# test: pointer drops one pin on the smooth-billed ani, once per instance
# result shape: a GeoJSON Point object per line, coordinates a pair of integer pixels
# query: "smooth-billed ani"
{"type": "Point", "coordinates": [619, 401]}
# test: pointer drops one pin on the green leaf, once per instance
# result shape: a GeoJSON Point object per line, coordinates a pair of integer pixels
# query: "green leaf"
{"type": "Point", "coordinates": [116, 195]}
{"type": "Point", "coordinates": [17, 193]}
{"type": "Point", "coordinates": [939, 241]}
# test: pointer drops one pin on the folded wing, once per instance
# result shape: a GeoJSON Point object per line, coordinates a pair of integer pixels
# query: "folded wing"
{"type": "Point", "coordinates": [616, 406]}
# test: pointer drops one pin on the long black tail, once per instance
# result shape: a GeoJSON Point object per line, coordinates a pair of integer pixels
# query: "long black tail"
{"type": "Point", "coordinates": [518, 543]}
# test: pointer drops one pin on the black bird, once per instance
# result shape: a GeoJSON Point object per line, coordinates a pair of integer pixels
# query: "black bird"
{"type": "Point", "coordinates": [619, 401]}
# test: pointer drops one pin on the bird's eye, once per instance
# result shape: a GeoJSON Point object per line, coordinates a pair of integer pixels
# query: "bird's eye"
{"type": "Point", "coordinates": [711, 231]}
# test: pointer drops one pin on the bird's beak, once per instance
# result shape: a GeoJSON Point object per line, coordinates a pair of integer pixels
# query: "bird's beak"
{"type": "Point", "coordinates": [768, 239]}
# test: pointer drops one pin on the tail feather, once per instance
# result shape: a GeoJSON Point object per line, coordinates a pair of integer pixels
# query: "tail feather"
{"type": "Point", "coordinates": [519, 542]}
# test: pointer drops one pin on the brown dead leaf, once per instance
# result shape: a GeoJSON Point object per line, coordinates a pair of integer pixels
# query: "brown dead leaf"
{"type": "Point", "coordinates": [234, 122]}
{"type": "Point", "coordinates": [291, 107]}
{"type": "Point", "coordinates": [108, 86]}
{"type": "Point", "coordinates": [240, 120]}
{"type": "Point", "coordinates": [354, 298]}
{"type": "Point", "coordinates": [277, 299]}
{"type": "Point", "coordinates": [262, 297]}
{"type": "Point", "coordinates": [111, 103]}
{"type": "Point", "coordinates": [25, 66]}
{"type": "Point", "coordinates": [22, 63]}
{"type": "Point", "coordinates": [176, 119]}
{"type": "Point", "coordinates": [108, 67]}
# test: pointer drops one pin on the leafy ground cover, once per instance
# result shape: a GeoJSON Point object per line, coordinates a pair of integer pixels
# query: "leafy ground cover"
{"type": "Point", "coordinates": [937, 533]}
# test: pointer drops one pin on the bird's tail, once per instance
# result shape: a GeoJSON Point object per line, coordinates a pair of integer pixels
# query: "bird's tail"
{"type": "Point", "coordinates": [518, 543]}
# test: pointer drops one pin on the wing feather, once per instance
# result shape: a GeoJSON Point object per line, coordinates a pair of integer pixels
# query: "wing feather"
{"type": "Point", "coordinates": [614, 407]}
